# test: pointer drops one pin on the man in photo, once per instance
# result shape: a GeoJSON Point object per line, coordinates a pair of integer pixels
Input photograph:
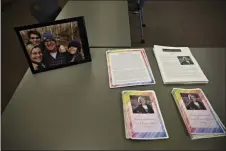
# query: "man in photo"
{"type": "Point", "coordinates": [52, 56]}
{"type": "Point", "coordinates": [34, 37]}
{"type": "Point", "coordinates": [194, 104]}
{"type": "Point", "coordinates": [143, 107]}
{"type": "Point", "coordinates": [186, 61]}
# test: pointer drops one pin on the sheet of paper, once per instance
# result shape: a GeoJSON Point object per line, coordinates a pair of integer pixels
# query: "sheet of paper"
{"type": "Point", "coordinates": [197, 113]}
{"type": "Point", "coordinates": [144, 118]}
{"type": "Point", "coordinates": [177, 65]}
{"type": "Point", "coordinates": [128, 67]}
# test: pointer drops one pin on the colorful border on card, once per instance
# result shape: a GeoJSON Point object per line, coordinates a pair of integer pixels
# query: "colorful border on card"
{"type": "Point", "coordinates": [146, 135]}
{"type": "Point", "coordinates": [142, 51]}
{"type": "Point", "coordinates": [218, 130]}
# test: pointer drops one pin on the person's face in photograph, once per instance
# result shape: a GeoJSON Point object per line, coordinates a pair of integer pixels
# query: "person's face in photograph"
{"type": "Point", "coordinates": [184, 59]}
{"type": "Point", "coordinates": [192, 98]}
{"type": "Point", "coordinates": [50, 45]}
{"type": "Point", "coordinates": [142, 101]}
{"type": "Point", "coordinates": [36, 55]}
{"type": "Point", "coordinates": [35, 39]}
{"type": "Point", "coordinates": [73, 50]}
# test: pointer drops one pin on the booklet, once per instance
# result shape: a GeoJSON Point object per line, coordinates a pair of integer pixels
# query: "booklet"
{"type": "Point", "coordinates": [142, 116]}
{"type": "Point", "coordinates": [199, 117]}
{"type": "Point", "coordinates": [178, 66]}
{"type": "Point", "coordinates": [128, 67]}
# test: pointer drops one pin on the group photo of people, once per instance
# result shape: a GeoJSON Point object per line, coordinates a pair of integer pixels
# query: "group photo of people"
{"type": "Point", "coordinates": [141, 104]}
{"type": "Point", "coordinates": [53, 46]}
{"type": "Point", "coordinates": [192, 101]}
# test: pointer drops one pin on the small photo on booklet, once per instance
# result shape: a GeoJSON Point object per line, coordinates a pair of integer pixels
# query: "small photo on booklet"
{"type": "Point", "coordinates": [192, 101]}
{"type": "Point", "coordinates": [141, 104]}
{"type": "Point", "coordinates": [185, 60]}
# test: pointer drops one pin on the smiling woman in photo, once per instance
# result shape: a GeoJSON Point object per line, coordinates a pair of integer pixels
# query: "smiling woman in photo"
{"type": "Point", "coordinates": [74, 49]}
{"type": "Point", "coordinates": [35, 54]}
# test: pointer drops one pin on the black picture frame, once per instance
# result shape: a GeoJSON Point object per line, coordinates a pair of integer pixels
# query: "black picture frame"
{"type": "Point", "coordinates": [83, 38]}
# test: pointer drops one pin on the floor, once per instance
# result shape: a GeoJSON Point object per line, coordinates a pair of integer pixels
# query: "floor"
{"type": "Point", "coordinates": [194, 23]}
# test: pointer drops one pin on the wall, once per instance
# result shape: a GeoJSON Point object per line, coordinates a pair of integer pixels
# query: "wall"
{"type": "Point", "coordinates": [14, 64]}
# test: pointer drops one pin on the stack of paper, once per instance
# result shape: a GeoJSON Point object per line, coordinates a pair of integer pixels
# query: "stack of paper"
{"type": "Point", "coordinates": [142, 116]}
{"type": "Point", "coordinates": [198, 115]}
{"type": "Point", "coordinates": [177, 65]}
{"type": "Point", "coordinates": [128, 67]}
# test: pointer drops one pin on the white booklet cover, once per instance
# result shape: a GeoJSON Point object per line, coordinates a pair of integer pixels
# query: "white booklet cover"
{"type": "Point", "coordinates": [128, 67]}
{"type": "Point", "coordinates": [177, 65]}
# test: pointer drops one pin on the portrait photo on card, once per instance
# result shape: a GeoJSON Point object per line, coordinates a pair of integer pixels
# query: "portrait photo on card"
{"type": "Point", "coordinates": [141, 104]}
{"type": "Point", "coordinates": [192, 101]}
{"type": "Point", "coordinates": [56, 44]}
{"type": "Point", "coordinates": [185, 60]}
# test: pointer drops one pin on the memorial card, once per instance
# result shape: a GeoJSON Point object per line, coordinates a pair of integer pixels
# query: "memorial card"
{"type": "Point", "coordinates": [142, 116]}
{"type": "Point", "coordinates": [199, 117]}
{"type": "Point", "coordinates": [128, 67]}
{"type": "Point", "coordinates": [177, 65]}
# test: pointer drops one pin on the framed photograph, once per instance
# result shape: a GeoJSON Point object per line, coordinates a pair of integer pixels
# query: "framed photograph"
{"type": "Point", "coordinates": [53, 45]}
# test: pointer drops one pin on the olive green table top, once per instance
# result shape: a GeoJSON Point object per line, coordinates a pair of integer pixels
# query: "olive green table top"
{"type": "Point", "coordinates": [74, 108]}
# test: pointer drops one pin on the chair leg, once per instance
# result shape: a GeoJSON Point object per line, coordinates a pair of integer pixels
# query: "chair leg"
{"type": "Point", "coordinates": [141, 26]}
{"type": "Point", "coordinates": [142, 17]}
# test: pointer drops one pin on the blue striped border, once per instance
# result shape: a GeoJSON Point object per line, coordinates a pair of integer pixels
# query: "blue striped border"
{"type": "Point", "coordinates": [149, 135]}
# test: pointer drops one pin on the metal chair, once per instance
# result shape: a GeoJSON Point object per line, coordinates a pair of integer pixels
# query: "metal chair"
{"type": "Point", "coordinates": [136, 6]}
